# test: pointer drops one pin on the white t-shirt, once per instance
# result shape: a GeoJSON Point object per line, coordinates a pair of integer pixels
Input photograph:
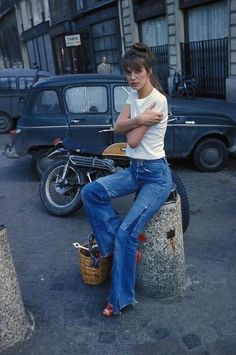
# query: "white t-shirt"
{"type": "Point", "coordinates": [152, 144]}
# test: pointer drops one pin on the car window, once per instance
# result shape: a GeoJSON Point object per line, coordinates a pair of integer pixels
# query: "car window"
{"type": "Point", "coordinates": [86, 99]}
{"type": "Point", "coordinates": [7, 85]}
{"type": "Point", "coordinates": [46, 102]}
{"type": "Point", "coordinates": [120, 96]}
{"type": "Point", "coordinates": [25, 82]}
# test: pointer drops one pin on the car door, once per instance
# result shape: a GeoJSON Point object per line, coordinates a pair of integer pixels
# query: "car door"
{"type": "Point", "coordinates": [89, 112]}
{"type": "Point", "coordinates": [185, 133]}
{"type": "Point", "coordinates": [43, 119]}
{"type": "Point", "coordinates": [119, 93]}
{"type": "Point", "coordinates": [169, 136]}
{"type": "Point", "coordinates": [23, 87]}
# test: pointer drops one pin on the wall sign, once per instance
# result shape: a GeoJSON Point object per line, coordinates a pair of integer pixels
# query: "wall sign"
{"type": "Point", "coordinates": [148, 9]}
{"type": "Point", "coordinates": [72, 40]}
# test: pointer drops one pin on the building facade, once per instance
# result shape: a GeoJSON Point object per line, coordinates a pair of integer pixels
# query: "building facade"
{"type": "Point", "coordinates": [197, 37]}
{"type": "Point", "coordinates": [10, 51]}
{"type": "Point", "coordinates": [94, 25]}
{"type": "Point", "coordinates": [194, 36]}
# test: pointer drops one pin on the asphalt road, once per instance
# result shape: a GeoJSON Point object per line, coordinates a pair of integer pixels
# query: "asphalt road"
{"type": "Point", "coordinates": [68, 313]}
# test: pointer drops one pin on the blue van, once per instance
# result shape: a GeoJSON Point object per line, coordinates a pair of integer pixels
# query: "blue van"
{"type": "Point", "coordinates": [14, 87]}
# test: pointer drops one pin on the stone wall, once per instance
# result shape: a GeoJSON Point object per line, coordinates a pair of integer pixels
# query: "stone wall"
{"type": "Point", "coordinates": [129, 29]}
{"type": "Point", "coordinates": [231, 81]}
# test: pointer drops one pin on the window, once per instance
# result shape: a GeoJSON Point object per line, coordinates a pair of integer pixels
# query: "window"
{"type": "Point", "coordinates": [86, 99]}
{"type": "Point", "coordinates": [46, 102]}
{"type": "Point", "coordinates": [79, 5]}
{"type": "Point", "coordinates": [155, 32]}
{"type": "Point", "coordinates": [7, 84]}
{"type": "Point", "coordinates": [208, 21]}
{"type": "Point", "coordinates": [25, 82]}
{"type": "Point", "coordinates": [120, 96]}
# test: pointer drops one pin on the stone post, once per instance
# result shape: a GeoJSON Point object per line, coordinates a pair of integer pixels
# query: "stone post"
{"type": "Point", "coordinates": [161, 271]}
{"type": "Point", "coordinates": [14, 323]}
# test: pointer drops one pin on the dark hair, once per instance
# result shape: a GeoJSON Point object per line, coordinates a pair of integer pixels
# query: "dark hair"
{"type": "Point", "coordinates": [138, 56]}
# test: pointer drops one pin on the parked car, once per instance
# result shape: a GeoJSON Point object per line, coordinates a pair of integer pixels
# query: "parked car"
{"type": "Point", "coordinates": [82, 105]}
{"type": "Point", "coordinates": [14, 87]}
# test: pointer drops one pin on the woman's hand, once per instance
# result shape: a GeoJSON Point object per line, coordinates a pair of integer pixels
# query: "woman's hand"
{"type": "Point", "coordinates": [150, 117]}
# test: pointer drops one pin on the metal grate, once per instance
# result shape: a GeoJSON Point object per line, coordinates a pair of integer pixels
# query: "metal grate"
{"type": "Point", "coordinates": [207, 61]}
{"type": "Point", "coordinates": [161, 65]}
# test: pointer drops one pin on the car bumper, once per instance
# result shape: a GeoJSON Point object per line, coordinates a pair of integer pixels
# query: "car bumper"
{"type": "Point", "coordinates": [232, 151]}
{"type": "Point", "coordinates": [10, 152]}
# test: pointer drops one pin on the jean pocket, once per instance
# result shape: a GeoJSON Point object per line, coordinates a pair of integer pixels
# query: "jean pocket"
{"type": "Point", "coordinates": [155, 168]}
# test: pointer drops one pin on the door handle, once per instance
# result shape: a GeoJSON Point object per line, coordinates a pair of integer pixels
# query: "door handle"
{"type": "Point", "coordinates": [76, 121]}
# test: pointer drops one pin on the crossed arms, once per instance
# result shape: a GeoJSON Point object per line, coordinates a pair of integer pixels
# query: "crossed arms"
{"type": "Point", "coordinates": [136, 127]}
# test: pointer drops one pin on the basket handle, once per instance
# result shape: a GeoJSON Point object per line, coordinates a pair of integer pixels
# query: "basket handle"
{"type": "Point", "coordinates": [77, 245]}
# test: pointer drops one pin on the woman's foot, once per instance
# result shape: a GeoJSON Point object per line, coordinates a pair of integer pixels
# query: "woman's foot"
{"type": "Point", "coordinates": [138, 257]}
{"type": "Point", "coordinates": [108, 311]}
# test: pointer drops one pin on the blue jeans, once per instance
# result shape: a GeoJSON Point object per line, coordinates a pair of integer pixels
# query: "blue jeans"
{"type": "Point", "coordinates": [152, 180]}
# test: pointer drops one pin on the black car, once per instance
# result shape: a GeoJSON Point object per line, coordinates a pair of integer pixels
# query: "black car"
{"type": "Point", "coordinates": [14, 87]}
{"type": "Point", "coordinates": [82, 105]}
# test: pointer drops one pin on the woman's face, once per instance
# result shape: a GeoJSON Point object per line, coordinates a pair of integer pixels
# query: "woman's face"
{"type": "Point", "coordinates": [137, 79]}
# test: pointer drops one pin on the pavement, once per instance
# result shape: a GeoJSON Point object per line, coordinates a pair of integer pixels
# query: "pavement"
{"type": "Point", "coordinates": [67, 312]}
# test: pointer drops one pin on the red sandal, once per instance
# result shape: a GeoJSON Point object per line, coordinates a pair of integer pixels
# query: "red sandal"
{"type": "Point", "coordinates": [138, 257]}
{"type": "Point", "coordinates": [108, 311]}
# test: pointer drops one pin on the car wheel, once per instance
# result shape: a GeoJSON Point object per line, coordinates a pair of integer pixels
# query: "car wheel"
{"type": "Point", "coordinates": [40, 162]}
{"type": "Point", "coordinates": [210, 155]}
{"type": "Point", "coordinates": [6, 123]}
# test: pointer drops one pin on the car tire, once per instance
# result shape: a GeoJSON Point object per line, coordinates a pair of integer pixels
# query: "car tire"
{"type": "Point", "coordinates": [6, 123]}
{"type": "Point", "coordinates": [210, 155]}
{"type": "Point", "coordinates": [39, 163]}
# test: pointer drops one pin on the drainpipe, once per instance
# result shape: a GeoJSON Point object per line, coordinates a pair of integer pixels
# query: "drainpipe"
{"type": "Point", "coordinates": [121, 28]}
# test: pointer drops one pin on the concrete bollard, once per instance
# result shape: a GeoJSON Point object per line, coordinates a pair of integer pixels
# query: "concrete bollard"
{"type": "Point", "coordinates": [161, 271]}
{"type": "Point", "coordinates": [15, 325]}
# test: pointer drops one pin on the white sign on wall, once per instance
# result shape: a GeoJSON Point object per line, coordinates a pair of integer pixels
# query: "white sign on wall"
{"type": "Point", "coordinates": [72, 40]}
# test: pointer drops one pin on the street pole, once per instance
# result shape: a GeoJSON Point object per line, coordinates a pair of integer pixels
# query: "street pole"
{"type": "Point", "coordinates": [15, 325]}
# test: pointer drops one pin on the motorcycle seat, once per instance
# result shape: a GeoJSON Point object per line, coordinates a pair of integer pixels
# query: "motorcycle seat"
{"type": "Point", "coordinates": [75, 146]}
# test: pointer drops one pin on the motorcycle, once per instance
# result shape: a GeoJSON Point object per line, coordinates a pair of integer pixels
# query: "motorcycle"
{"type": "Point", "coordinates": [183, 85]}
{"type": "Point", "coordinates": [74, 166]}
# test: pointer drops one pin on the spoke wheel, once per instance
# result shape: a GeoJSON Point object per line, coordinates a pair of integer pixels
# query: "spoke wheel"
{"type": "Point", "coordinates": [61, 196]}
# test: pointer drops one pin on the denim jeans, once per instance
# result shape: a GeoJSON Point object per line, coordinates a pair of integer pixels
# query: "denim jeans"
{"type": "Point", "coordinates": [152, 180]}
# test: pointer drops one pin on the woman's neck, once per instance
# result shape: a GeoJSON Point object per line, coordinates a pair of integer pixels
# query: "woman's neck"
{"type": "Point", "coordinates": [145, 91]}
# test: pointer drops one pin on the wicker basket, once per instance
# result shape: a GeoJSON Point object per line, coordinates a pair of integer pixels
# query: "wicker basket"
{"type": "Point", "coordinates": [91, 275]}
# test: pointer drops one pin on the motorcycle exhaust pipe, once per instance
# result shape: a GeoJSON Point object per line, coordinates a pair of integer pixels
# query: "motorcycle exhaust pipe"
{"type": "Point", "coordinates": [93, 162]}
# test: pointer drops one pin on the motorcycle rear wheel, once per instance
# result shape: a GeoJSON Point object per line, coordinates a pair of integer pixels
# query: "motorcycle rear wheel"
{"type": "Point", "coordinates": [185, 209]}
{"type": "Point", "coordinates": [190, 92]}
{"type": "Point", "coordinates": [61, 197]}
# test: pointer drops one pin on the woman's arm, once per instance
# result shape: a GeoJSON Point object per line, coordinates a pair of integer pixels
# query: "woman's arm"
{"type": "Point", "coordinates": [148, 118]}
{"type": "Point", "coordinates": [135, 136]}
{"type": "Point", "coordinates": [123, 123]}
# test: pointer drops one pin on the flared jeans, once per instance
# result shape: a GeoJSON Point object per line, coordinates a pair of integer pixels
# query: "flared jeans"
{"type": "Point", "coordinates": [152, 182]}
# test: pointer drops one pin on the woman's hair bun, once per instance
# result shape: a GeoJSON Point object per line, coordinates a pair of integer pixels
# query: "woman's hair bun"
{"type": "Point", "coordinates": [140, 47]}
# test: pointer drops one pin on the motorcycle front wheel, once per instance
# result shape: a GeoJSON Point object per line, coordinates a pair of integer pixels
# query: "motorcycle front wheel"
{"type": "Point", "coordinates": [61, 195]}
